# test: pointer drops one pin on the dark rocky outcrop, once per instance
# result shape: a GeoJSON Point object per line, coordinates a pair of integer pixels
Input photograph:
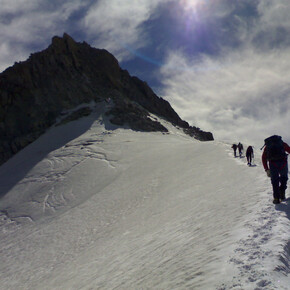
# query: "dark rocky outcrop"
{"type": "Point", "coordinates": [136, 117]}
{"type": "Point", "coordinates": [83, 112]}
{"type": "Point", "coordinates": [198, 134]}
{"type": "Point", "coordinates": [33, 94]}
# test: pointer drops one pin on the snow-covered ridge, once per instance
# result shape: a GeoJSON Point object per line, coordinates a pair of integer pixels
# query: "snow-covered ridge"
{"type": "Point", "coordinates": [92, 206]}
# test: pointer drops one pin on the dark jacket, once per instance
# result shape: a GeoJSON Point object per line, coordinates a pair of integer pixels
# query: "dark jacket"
{"type": "Point", "coordinates": [250, 151]}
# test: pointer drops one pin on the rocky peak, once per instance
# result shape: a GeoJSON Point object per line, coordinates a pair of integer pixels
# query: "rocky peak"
{"type": "Point", "coordinates": [57, 41]}
{"type": "Point", "coordinates": [33, 93]}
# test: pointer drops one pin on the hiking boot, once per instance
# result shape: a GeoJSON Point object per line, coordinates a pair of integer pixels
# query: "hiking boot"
{"type": "Point", "coordinates": [276, 200]}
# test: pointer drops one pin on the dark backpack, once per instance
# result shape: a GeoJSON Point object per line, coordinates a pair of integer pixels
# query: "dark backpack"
{"type": "Point", "coordinates": [275, 148]}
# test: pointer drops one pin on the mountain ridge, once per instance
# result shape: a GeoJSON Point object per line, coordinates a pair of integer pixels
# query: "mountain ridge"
{"type": "Point", "coordinates": [33, 93]}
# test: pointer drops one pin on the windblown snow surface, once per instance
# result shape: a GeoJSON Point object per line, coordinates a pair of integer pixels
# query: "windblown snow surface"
{"type": "Point", "coordinates": [90, 206]}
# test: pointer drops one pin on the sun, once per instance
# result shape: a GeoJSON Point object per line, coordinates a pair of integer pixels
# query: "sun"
{"type": "Point", "coordinates": [190, 5]}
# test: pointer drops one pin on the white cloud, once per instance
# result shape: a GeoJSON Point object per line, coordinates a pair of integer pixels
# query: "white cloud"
{"type": "Point", "coordinates": [273, 26]}
{"type": "Point", "coordinates": [242, 93]}
{"type": "Point", "coordinates": [274, 13]}
{"type": "Point", "coordinates": [110, 23]}
{"type": "Point", "coordinates": [245, 94]}
{"type": "Point", "coordinates": [20, 6]}
{"type": "Point", "coordinates": [115, 23]}
{"type": "Point", "coordinates": [27, 24]}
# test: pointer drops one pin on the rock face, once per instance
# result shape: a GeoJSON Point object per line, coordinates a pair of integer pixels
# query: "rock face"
{"type": "Point", "coordinates": [33, 93]}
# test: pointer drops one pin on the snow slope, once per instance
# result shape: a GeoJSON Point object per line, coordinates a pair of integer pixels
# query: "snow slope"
{"type": "Point", "coordinates": [89, 206]}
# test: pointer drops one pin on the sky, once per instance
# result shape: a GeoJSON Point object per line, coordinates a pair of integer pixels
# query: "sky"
{"type": "Point", "coordinates": [224, 65]}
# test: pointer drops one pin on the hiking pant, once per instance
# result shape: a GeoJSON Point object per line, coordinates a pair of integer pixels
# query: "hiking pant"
{"type": "Point", "coordinates": [279, 176]}
{"type": "Point", "coordinates": [249, 158]}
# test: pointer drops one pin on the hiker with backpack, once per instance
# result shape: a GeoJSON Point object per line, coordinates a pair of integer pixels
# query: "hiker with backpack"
{"type": "Point", "coordinates": [250, 155]}
{"type": "Point", "coordinates": [234, 147]}
{"type": "Point", "coordinates": [275, 163]}
{"type": "Point", "coordinates": [241, 148]}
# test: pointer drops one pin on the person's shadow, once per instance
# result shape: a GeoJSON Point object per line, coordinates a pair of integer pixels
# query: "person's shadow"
{"type": "Point", "coordinates": [284, 206]}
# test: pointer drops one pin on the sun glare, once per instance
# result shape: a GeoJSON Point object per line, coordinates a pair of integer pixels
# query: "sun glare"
{"type": "Point", "coordinates": [190, 5]}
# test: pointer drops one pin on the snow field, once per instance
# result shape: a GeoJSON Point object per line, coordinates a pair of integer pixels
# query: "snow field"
{"type": "Point", "coordinates": [90, 207]}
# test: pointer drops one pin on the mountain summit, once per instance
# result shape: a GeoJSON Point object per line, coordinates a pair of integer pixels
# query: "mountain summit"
{"type": "Point", "coordinates": [35, 92]}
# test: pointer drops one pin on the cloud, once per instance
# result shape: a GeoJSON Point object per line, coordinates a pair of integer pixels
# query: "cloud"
{"type": "Point", "coordinates": [243, 94]}
{"type": "Point", "coordinates": [274, 13]}
{"type": "Point", "coordinates": [225, 63]}
{"type": "Point", "coordinates": [28, 26]}
{"type": "Point", "coordinates": [273, 28]}
{"type": "Point", "coordinates": [115, 24]}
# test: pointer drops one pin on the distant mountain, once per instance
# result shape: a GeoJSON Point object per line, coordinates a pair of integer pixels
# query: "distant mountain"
{"type": "Point", "coordinates": [35, 92]}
